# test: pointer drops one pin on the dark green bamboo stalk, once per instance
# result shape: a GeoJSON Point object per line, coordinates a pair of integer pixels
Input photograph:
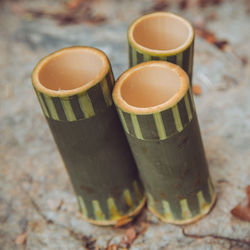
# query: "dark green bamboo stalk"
{"type": "Point", "coordinates": [89, 136]}
{"type": "Point", "coordinates": [150, 38]}
{"type": "Point", "coordinates": [166, 143]}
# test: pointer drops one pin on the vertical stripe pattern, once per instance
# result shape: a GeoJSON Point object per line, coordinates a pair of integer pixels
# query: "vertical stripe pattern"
{"type": "Point", "coordinates": [139, 195]}
{"type": "Point", "coordinates": [190, 61]}
{"type": "Point", "coordinates": [113, 213]}
{"type": "Point", "coordinates": [191, 98]}
{"type": "Point", "coordinates": [59, 108]}
{"type": "Point", "coordinates": [128, 198]}
{"type": "Point", "coordinates": [179, 59]}
{"type": "Point", "coordinates": [106, 92]}
{"type": "Point", "coordinates": [177, 118]}
{"type": "Point", "coordinates": [151, 201]}
{"type": "Point", "coordinates": [51, 106]}
{"type": "Point", "coordinates": [99, 215]}
{"type": "Point", "coordinates": [130, 55]}
{"type": "Point", "coordinates": [75, 105]}
{"type": "Point", "coordinates": [81, 106]}
{"type": "Point", "coordinates": [201, 200]}
{"type": "Point", "coordinates": [86, 105]}
{"type": "Point", "coordinates": [160, 125]}
{"type": "Point", "coordinates": [123, 121]}
{"type": "Point", "coordinates": [184, 59]}
{"type": "Point", "coordinates": [186, 213]}
{"type": "Point", "coordinates": [136, 126]}
{"type": "Point", "coordinates": [43, 105]}
{"type": "Point", "coordinates": [139, 57]}
{"type": "Point", "coordinates": [123, 197]}
{"type": "Point", "coordinates": [187, 104]}
{"type": "Point", "coordinates": [210, 187]}
{"type": "Point", "coordinates": [82, 206]}
{"type": "Point", "coordinates": [69, 113]}
{"type": "Point", "coordinates": [166, 211]}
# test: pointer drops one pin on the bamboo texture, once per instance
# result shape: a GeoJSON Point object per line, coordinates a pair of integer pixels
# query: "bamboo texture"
{"type": "Point", "coordinates": [90, 139]}
{"type": "Point", "coordinates": [182, 57]}
{"type": "Point", "coordinates": [169, 153]}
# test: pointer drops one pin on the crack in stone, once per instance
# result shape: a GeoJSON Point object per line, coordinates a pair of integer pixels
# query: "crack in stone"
{"type": "Point", "coordinates": [232, 241]}
{"type": "Point", "coordinates": [87, 242]}
{"type": "Point", "coordinates": [224, 181]}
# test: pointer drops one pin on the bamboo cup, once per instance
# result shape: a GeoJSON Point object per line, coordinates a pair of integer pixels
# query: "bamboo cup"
{"type": "Point", "coordinates": [156, 108]}
{"type": "Point", "coordinates": [74, 87]}
{"type": "Point", "coordinates": [162, 36]}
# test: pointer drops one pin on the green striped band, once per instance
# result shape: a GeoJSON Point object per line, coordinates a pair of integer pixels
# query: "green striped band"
{"type": "Point", "coordinates": [110, 208]}
{"type": "Point", "coordinates": [160, 125]}
{"type": "Point", "coordinates": [185, 208]}
{"type": "Point", "coordinates": [81, 106]}
{"type": "Point", "coordinates": [184, 59]}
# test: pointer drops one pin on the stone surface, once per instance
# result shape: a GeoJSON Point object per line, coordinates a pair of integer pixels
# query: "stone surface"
{"type": "Point", "coordinates": [35, 193]}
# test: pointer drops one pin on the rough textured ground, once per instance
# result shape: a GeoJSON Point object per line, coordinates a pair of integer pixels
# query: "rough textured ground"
{"type": "Point", "coordinates": [36, 198]}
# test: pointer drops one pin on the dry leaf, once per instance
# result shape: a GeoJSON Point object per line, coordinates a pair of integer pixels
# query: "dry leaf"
{"type": "Point", "coordinates": [133, 232]}
{"type": "Point", "coordinates": [131, 235]}
{"type": "Point", "coordinates": [143, 227]}
{"type": "Point", "coordinates": [21, 239]}
{"type": "Point", "coordinates": [77, 11]}
{"type": "Point", "coordinates": [212, 16]}
{"type": "Point", "coordinates": [160, 5]}
{"type": "Point", "coordinates": [89, 242]}
{"type": "Point", "coordinates": [37, 226]}
{"type": "Point", "coordinates": [211, 38]}
{"type": "Point", "coordinates": [206, 34]}
{"type": "Point", "coordinates": [244, 60]}
{"type": "Point", "coordinates": [196, 89]}
{"type": "Point", "coordinates": [221, 44]}
{"type": "Point", "coordinates": [183, 4]}
{"type": "Point", "coordinates": [248, 194]}
{"type": "Point", "coordinates": [112, 247]}
{"type": "Point", "coordinates": [97, 19]}
{"type": "Point", "coordinates": [17, 9]}
{"type": "Point", "coordinates": [204, 3]}
{"type": "Point", "coordinates": [73, 4]}
{"type": "Point", "coordinates": [216, 1]}
{"type": "Point", "coordinates": [242, 210]}
{"type": "Point", "coordinates": [128, 239]}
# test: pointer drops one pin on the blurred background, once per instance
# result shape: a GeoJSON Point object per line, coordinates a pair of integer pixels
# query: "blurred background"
{"type": "Point", "coordinates": [37, 205]}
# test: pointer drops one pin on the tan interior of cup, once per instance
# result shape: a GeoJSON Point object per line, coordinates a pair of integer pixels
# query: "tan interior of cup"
{"type": "Point", "coordinates": [70, 69]}
{"type": "Point", "coordinates": [161, 32]}
{"type": "Point", "coordinates": [150, 86]}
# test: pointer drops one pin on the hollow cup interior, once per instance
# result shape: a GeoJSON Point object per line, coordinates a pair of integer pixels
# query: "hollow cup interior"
{"type": "Point", "coordinates": [161, 31]}
{"type": "Point", "coordinates": [69, 69]}
{"type": "Point", "coordinates": [150, 87]}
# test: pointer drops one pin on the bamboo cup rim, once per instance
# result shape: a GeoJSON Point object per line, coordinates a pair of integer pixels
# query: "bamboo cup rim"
{"type": "Point", "coordinates": [152, 17]}
{"type": "Point", "coordinates": [88, 64]}
{"type": "Point", "coordinates": [125, 79]}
